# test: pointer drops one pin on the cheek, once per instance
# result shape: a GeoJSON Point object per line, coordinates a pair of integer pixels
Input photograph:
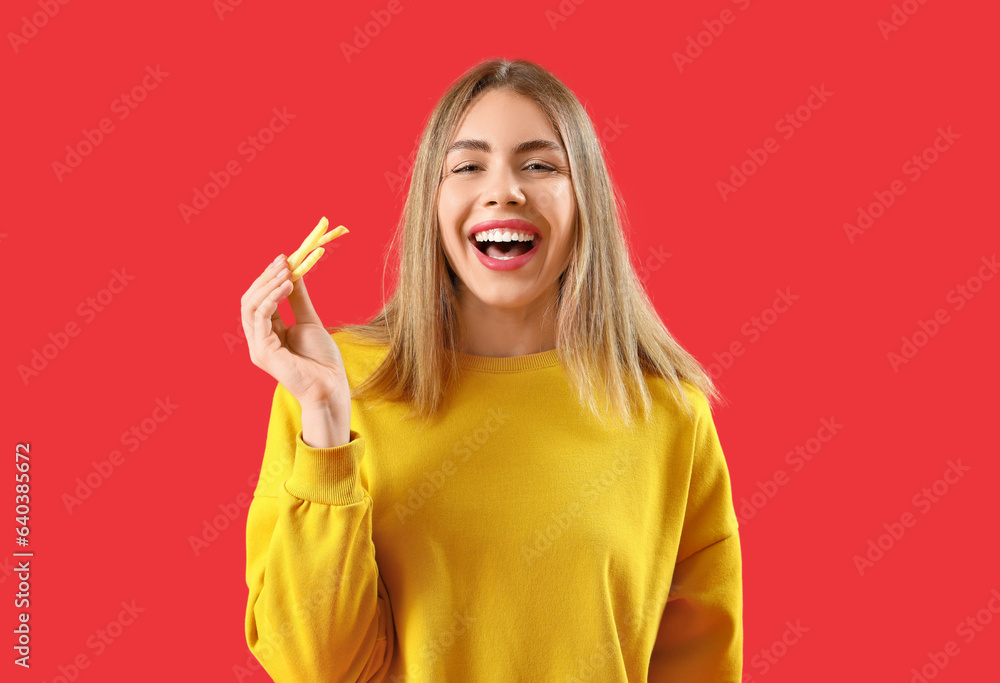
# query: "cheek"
{"type": "Point", "coordinates": [562, 206]}
{"type": "Point", "coordinates": [450, 201]}
{"type": "Point", "coordinates": [562, 251]}
{"type": "Point", "coordinates": [449, 217]}
{"type": "Point", "coordinates": [450, 246]}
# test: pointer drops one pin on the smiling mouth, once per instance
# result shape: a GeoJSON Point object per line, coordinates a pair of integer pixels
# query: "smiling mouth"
{"type": "Point", "coordinates": [504, 250]}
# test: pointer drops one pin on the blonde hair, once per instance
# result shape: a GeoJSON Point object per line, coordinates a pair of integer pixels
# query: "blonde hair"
{"type": "Point", "coordinates": [604, 318]}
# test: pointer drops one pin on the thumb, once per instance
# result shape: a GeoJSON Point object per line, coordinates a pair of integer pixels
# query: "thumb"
{"type": "Point", "coordinates": [302, 307]}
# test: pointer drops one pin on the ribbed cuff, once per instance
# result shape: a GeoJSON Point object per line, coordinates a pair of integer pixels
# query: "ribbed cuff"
{"type": "Point", "coordinates": [327, 475]}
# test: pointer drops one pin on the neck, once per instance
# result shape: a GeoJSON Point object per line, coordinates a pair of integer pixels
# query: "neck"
{"type": "Point", "coordinates": [498, 332]}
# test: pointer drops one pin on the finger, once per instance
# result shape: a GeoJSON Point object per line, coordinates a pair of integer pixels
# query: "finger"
{"type": "Point", "coordinates": [264, 277]}
{"type": "Point", "coordinates": [255, 298]}
{"type": "Point", "coordinates": [301, 304]}
{"type": "Point", "coordinates": [308, 243]}
{"type": "Point", "coordinates": [264, 341]}
{"type": "Point", "coordinates": [278, 325]}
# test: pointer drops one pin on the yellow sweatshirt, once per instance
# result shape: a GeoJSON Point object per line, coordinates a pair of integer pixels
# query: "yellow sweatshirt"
{"type": "Point", "coordinates": [512, 539]}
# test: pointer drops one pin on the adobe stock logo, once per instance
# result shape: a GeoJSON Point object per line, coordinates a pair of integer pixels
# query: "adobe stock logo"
{"type": "Point", "coordinates": [433, 481]}
{"type": "Point", "coordinates": [797, 458]}
{"type": "Point", "coordinates": [544, 537]}
{"type": "Point", "coordinates": [923, 500]}
{"type": "Point", "coordinates": [914, 168]}
{"type": "Point", "coordinates": [787, 125]}
{"type": "Point", "coordinates": [88, 309]}
{"type": "Point", "coordinates": [99, 641]}
{"type": "Point", "coordinates": [381, 18]}
{"type": "Point", "coordinates": [101, 470]}
{"type": "Point", "coordinates": [767, 657]}
{"type": "Point", "coordinates": [752, 329]}
{"type": "Point", "coordinates": [900, 15]}
{"type": "Point", "coordinates": [698, 43]}
{"type": "Point", "coordinates": [958, 297]}
{"type": "Point", "coordinates": [565, 9]}
{"type": "Point", "coordinates": [223, 6]}
{"type": "Point", "coordinates": [123, 105]}
{"type": "Point", "coordinates": [968, 628]}
{"type": "Point", "coordinates": [212, 529]}
{"type": "Point", "coordinates": [652, 262]}
{"type": "Point", "coordinates": [29, 27]}
{"type": "Point", "coordinates": [250, 148]}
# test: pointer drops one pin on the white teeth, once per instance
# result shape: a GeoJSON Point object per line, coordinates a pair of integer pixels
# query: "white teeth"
{"type": "Point", "coordinates": [497, 235]}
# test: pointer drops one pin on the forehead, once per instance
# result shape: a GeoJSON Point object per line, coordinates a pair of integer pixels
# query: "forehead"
{"type": "Point", "coordinates": [504, 116]}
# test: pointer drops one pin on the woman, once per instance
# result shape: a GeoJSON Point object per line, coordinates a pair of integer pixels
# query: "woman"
{"type": "Point", "coordinates": [512, 472]}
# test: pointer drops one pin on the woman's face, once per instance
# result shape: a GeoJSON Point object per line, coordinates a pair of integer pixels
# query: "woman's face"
{"type": "Point", "coordinates": [505, 163]}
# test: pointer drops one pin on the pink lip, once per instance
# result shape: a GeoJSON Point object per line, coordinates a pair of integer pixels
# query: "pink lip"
{"type": "Point", "coordinates": [514, 225]}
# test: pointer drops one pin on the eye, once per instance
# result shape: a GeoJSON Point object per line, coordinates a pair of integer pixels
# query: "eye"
{"type": "Point", "coordinates": [469, 167]}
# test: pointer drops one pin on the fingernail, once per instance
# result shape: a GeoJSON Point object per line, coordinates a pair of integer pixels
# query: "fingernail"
{"type": "Point", "coordinates": [279, 259]}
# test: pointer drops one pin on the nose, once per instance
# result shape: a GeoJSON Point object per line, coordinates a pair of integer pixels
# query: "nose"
{"type": "Point", "coordinates": [502, 188]}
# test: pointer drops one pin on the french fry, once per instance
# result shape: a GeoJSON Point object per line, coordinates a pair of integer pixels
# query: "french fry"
{"type": "Point", "coordinates": [310, 261]}
{"type": "Point", "coordinates": [337, 232]}
{"type": "Point", "coordinates": [310, 251]}
{"type": "Point", "coordinates": [308, 243]}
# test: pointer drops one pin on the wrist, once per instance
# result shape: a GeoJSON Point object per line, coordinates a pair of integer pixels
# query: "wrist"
{"type": "Point", "coordinates": [325, 402]}
{"type": "Point", "coordinates": [325, 425]}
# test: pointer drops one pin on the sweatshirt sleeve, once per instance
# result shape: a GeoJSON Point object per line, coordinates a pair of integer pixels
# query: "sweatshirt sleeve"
{"type": "Point", "coordinates": [700, 638]}
{"type": "Point", "coordinates": [317, 608]}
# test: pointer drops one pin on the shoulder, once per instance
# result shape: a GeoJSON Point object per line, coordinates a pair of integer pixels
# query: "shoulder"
{"type": "Point", "coordinates": [666, 397]}
{"type": "Point", "coordinates": [697, 398]}
{"type": "Point", "coordinates": [356, 343]}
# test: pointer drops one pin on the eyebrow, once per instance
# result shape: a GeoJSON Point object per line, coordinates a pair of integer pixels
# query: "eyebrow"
{"type": "Point", "coordinates": [527, 146]}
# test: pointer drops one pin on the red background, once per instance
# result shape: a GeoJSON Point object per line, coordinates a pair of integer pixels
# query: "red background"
{"type": "Point", "coordinates": [174, 330]}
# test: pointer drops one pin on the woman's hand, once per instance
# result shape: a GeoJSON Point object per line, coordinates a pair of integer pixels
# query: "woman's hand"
{"type": "Point", "coordinates": [303, 358]}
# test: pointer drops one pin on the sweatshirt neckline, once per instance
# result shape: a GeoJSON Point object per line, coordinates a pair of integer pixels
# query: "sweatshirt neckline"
{"type": "Point", "coordinates": [531, 361]}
